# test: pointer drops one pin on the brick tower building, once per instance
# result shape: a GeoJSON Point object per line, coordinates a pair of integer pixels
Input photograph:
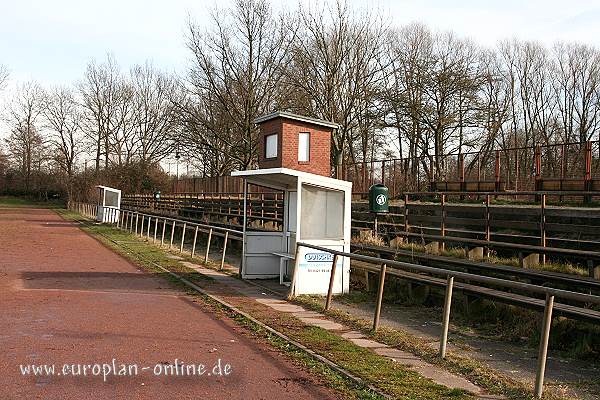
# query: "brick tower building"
{"type": "Point", "coordinates": [296, 142]}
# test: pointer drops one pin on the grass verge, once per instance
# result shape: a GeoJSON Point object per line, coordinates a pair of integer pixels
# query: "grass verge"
{"type": "Point", "coordinates": [11, 201]}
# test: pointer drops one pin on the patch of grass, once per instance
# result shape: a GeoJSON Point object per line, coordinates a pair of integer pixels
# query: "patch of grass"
{"type": "Point", "coordinates": [11, 201]}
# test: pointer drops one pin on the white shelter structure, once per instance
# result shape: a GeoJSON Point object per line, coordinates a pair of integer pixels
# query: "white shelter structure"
{"type": "Point", "coordinates": [109, 204]}
{"type": "Point", "coordinates": [317, 210]}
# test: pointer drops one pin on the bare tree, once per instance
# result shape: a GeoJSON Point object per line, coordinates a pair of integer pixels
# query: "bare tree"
{"type": "Point", "coordinates": [234, 78]}
{"type": "Point", "coordinates": [410, 53]}
{"type": "Point", "coordinates": [99, 91]}
{"type": "Point", "coordinates": [3, 76]}
{"type": "Point", "coordinates": [25, 143]}
{"type": "Point", "coordinates": [63, 119]}
{"type": "Point", "coordinates": [336, 63]}
{"type": "Point", "coordinates": [577, 87]}
{"type": "Point", "coordinates": [155, 94]}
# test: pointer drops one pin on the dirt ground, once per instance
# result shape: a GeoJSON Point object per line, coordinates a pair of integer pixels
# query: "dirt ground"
{"type": "Point", "coordinates": [66, 299]}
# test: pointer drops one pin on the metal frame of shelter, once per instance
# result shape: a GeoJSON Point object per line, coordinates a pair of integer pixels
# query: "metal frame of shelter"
{"type": "Point", "coordinates": [317, 210]}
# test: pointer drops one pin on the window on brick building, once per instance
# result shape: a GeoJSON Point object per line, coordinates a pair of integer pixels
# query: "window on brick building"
{"type": "Point", "coordinates": [303, 147]}
{"type": "Point", "coordinates": [271, 146]}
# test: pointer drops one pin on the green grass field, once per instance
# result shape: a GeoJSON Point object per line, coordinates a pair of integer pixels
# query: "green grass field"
{"type": "Point", "coordinates": [11, 201]}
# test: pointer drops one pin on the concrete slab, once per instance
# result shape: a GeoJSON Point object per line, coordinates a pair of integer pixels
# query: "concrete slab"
{"type": "Point", "coordinates": [475, 253]}
{"type": "Point", "coordinates": [367, 343]}
{"type": "Point", "coordinates": [352, 335]}
{"type": "Point", "coordinates": [289, 308]}
{"type": "Point", "coordinates": [271, 301]}
{"type": "Point", "coordinates": [401, 357]}
{"type": "Point", "coordinates": [529, 261]}
{"type": "Point", "coordinates": [445, 378]}
{"type": "Point", "coordinates": [323, 323]}
{"type": "Point", "coordinates": [307, 314]}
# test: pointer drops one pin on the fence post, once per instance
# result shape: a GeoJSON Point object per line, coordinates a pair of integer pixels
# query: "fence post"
{"type": "Point", "coordinates": [487, 224]}
{"type": "Point", "coordinates": [182, 237]}
{"type": "Point", "coordinates": [172, 235]}
{"type": "Point", "coordinates": [406, 225]}
{"type": "Point", "coordinates": [331, 281]}
{"type": "Point", "coordinates": [208, 245]}
{"type": "Point", "coordinates": [155, 229]}
{"type": "Point", "coordinates": [194, 244]}
{"type": "Point", "coordinates": [292, 291]}
{"type": "Point", "coordinates": [142, 227]}
{"type": "Point", "coordinates": [588, 171]}
{"type": "Point", "coordinates": [224, 249]}
{"type": "Point", "coordinates": [543, 351]}
{"type": "Point", "coordinates": [461, 172]}
{"type": "Point", "coordinates": [137, 217]}
{"type": "Point", "coordinates": [162, 238]}
{"type": "Point", "coordinates": [497, 171]}
{"type": "Point", "coordinates": [543, 226]}
{"type": "Point", "coordinates": [148, 229]}
{"type": "Point", "coordinates": [379, 297]}
{"type": "Point", "coordinates": [443, 222]}
{"type": "Point", "coordinates": [446, 316]}
{"type": "Point", "coordinates": [538, 170]}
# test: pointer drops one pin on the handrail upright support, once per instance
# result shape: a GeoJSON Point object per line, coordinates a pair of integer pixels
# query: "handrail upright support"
{"type": "Point", "coordinates": [446, 316]}
{"type": "Point", "coordinates": [543, 350]}
{"type": "Point", "coordinates": [379, 297]}
{"type": "Point", "coordinates": [331, 281]}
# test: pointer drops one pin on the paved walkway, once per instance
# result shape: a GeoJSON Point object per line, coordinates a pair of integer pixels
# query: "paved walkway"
{"type": "Point", "coordinates": [276, 302]}
{"type": "Point", "coordinates": [66, 299]}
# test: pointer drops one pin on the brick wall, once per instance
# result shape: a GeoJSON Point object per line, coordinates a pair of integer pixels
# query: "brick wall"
{"type": "Point", "coordinates": [268, 128]}
{"type": "Point", "coordinates": [287, 153]}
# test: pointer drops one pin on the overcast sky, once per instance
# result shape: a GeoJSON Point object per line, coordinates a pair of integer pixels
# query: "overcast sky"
{"type": "Point", "coordinates": [51, 41]}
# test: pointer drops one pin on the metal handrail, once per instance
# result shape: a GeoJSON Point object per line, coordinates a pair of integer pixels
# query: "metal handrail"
{"type": "Point", "coordinates": [561, 293]}
{"type": "Point", "coordinates": [550, 294]}
{"type": "Point", "coordinates": [123, 219]}
{"type": "Point", "coordinates": [198, 224]}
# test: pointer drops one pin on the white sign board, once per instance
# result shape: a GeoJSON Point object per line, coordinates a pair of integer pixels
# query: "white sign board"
{"type": "Point", "coordinates": [314, 271]}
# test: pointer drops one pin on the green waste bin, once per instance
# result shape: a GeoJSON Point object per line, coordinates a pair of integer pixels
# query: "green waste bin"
{"type": "Point", "coordinates": [378, 199]}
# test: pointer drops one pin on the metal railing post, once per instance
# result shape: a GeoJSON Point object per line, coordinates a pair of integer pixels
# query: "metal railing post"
{"type": "Point", "coordinates": [446, 316]}
{"type": "Point", "coordinates": [406, 225]}
{"type": "Point", "coordinates": [172, 235]}
{"type": "Point", "coordinates": [487, 224]}
{"type": "Point", "coordinates": [543, 226]}
{"type": "Point", "coordinates": [148, 228]}
{"type": "Point", "coordinates": [142, 226]}
{"type": "Point", "coordinates": [137, 217]}
{"type": "Point", "coordinates": [379, 297]}
{"type": "Point", "coordinates": [182, 237]}
{"type": "Point", "coordinates": [194, 244]}
{"type": "Point", "coordinates": [331, 281]}
{"type": "Point", "coordinates": [162, 238]}
{"type": "Point", "coordinates": [224, 249]}
{"type": "Point", "coordinates": [292, 291]}
{"type": "Point", "coordinates": [443, 221]}
{"type": "Point", "coordinates": [543, 351]}
{"type": "Point", "coordinates": [155, 229]}
{"type": "Point", "coordinates": [208, 245]}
